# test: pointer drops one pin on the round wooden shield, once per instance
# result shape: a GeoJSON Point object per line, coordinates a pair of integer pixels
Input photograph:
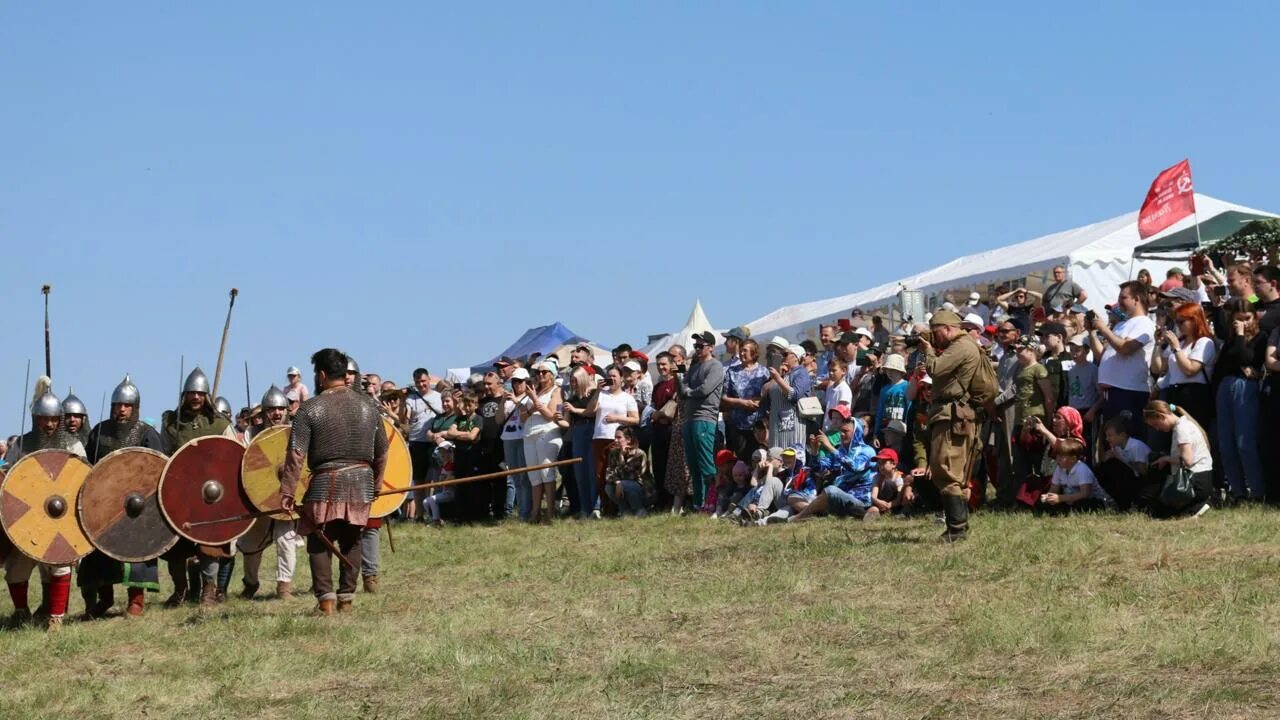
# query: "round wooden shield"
{"type": "Point", "coordinates": [201, 482]}
{"type": "Point", "coordinates": [398, 474]}
{"type": "Point", "coordinates": [119, 507]}
{"type": "Point", "coordinates": [260, 471]}
{"type": "Point", "coordinates": [37, 506]}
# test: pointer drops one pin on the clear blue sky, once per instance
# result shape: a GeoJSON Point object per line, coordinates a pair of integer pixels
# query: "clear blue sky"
{"type": "Point", "coordinates": [418, 183]}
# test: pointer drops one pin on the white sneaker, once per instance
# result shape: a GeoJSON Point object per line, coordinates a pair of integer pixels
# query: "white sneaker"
{"type": "Point", "coordinates": [1203, 509]}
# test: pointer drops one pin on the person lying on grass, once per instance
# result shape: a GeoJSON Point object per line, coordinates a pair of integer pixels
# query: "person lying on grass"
{"type": "Point", "coordinates": [1073, 488]}
{"type": "Point", "coordinates": [853, 464]}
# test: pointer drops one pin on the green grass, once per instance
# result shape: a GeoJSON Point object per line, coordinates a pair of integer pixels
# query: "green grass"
{"type": "Point", "coordinates": [666, 618]}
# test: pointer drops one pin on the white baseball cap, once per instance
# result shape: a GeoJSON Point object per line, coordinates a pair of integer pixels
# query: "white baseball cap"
{"type": "Point", "coordinates": [631, 365]}
{"type": "Point", "coordinates": [864, 332]}
{"type": "Point", "coordinates": [1081, 340]}
{"type": "Point", "coordinates": [779, 342]}
{"type": "Point", "coordinates": [973, 319]}
{"type": "Point", "coordinates": [520, 374]}
{"type": "Point", "coordinates": [292, 371]}
{"type": "Point", "coordinates": [974, 297]}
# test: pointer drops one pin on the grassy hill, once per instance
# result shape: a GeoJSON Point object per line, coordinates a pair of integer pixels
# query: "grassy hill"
{"type": "Point", "coordinates": [687, 617]}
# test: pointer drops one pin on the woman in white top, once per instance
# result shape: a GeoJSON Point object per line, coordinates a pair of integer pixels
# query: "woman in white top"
{"type": "Point", "coordinates": [1185, 361]}
{"type": "Point", "coordinates": [613, 406]}
{"type": "Point", "coordinates": [513, 440]}
{"type": "Point", "coordinates": [544, 425]}
{"type": "Point", "coordinates": [1190, 453]}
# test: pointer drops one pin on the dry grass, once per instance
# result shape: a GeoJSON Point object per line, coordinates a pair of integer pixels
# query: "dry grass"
{"type": "Point", "coordinates": [1073, 618]}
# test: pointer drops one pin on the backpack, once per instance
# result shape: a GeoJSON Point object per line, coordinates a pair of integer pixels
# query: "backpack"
{"type": "Point", "coordinates": [984, 387]}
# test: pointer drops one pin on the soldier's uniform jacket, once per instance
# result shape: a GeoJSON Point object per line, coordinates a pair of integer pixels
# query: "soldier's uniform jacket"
{"type": "Point", "coordinates": [952, 373]}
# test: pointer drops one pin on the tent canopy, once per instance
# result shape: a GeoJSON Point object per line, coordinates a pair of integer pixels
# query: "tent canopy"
{"type": "Point", "coordinates": [696, 323]}
{"type": "Point", "coordinates": [1098, 256]}
{"type": "Point", "coordinates": [1176, 246]}
{"type": "Point", "coordinates": [543, 339]}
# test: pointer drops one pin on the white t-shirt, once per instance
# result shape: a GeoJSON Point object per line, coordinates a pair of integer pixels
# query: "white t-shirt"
{"type": "Point", "coordinates": [1077, 477]}
{"type": "Point", "coordinates": [838, 393]}
{"type": "Point", "coordinates": [1185, 432]}
{"type": "Point", "coordinates": [1203, 350]}
{"type": "Point", "coordinates": [621, 403]}
{"type": "Point", "coordinates": [513, 428]}
{"type": "Point", "coordinates": [1129, 372]}
{"type": "Point", "coordinates": [1135, 451]}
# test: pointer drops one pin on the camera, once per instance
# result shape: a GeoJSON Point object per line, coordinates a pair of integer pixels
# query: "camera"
{"type": "Point", "coordinates": [913, 341]}
{"type": "Point", "coordinates": [1090, 319]}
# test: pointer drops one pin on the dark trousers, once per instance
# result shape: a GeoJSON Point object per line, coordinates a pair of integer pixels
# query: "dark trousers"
{"type": "Point", "coordinates": [1268, 434]}
{"type": "Point", "coordinates": [1203, 483]}
{"type": "Point", "coordinates": [347, 537]}
{"type": "Point", "coordinates": [1134, 401]}
{"type": "Point", "coordinates": [1130, 490]}
{"type": "Point", "coordinates": [661, 435]}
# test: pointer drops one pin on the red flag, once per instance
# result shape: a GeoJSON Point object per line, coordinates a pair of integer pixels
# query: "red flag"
{"type": "Point", "coordinates": [1170, 199]}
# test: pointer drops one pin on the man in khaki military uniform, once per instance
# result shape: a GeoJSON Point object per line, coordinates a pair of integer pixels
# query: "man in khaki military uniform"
{"type": "Point", "coordinates": [953, 428]}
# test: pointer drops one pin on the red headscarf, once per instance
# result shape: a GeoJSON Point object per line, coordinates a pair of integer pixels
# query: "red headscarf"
{"type": "Point", "coordinates": [1075, 423]}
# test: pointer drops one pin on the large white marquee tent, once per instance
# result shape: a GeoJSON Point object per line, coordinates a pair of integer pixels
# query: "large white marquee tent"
{"type": "Point", "coordinates": [1099, 257]}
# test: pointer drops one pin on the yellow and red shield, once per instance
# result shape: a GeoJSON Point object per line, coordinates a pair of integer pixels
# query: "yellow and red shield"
{"type": "Point", "coordinates": [260, 470]}
{"type": "Point", "coordinates": [398, 474]}
{"type": "Point", "coordinates": [37, 506]}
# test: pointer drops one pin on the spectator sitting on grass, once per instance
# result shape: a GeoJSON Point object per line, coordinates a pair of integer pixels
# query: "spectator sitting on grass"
{"type": "Point", "coordinates": [740, 485]}
{"type": "Point", "coordinates": [1122, 468]}
{"type": "Point", "coordinates": [627, 477]}
{"type": "Point", "coordinates": [766, 494]}
{"type": "Point", "coordinates": [886, 488]}
{"type": "Point", "coordinates": [797, 492]}
{"type": "Point", "coordinates": [852, 462]}
{"type": "Point", "coordinates": [1073, 488]}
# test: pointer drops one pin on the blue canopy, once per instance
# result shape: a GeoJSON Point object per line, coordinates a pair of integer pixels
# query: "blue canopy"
{"type": "Point", "coordinates": [542, 339]}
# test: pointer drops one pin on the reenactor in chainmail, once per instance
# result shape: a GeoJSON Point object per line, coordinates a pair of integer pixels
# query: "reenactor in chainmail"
{"type": "Point", "coordinates": [75, 418]}
{"type": "Point", "coordinates": [340, 436]}
{"type": "Point", "coordinates": [98, 573]}
{"type": "Point", "coordinates": [47, 434]}
{"type": "Point", "coordinates": [283, 533]}
{"type": "Point", "coordinates": [200, 573]}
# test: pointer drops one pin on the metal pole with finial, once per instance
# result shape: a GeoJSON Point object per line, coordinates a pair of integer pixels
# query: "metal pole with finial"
{"type": "Point", "coordinates": [48, 360]}
{"type": "Point", "coordinates": [222, 349]}
{"type": "Point", "coordinates": [248, 399]}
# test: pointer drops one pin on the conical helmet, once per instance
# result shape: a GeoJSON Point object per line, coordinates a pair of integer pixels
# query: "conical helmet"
{"type": "Point", "coordinates": [352, 365]}
{"type": "Point", "coordinates": [197, 381]}
{"type": "Point", "coordinates": [223, 406]}
{"type": "Point", "coordinates": [73, 406]}
{"type": "Point", "coordinates": [126, 393]}
{"type": "Point", "coordinates": [274, 398]}
{"type": "Point", "coordinates": [47, 405]}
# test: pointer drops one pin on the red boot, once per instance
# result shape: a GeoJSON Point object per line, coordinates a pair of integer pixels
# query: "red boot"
{"type": "Point", "coordinates": [137, 600]}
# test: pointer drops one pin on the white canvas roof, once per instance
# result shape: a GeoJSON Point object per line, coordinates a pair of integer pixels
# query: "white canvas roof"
{"type": "Point", "coordinates": [1098, 257]}
{"type": "Point", "coordinates": [696, 323]}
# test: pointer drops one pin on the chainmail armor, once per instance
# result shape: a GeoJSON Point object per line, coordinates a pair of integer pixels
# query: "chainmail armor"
{"type": "Point", "coordinates": [340, 432]}
{"type": "Point", "coordinates": [111, 435]}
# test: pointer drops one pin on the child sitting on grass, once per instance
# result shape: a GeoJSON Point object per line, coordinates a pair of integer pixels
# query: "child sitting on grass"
{"type": "Point", "coordinates": [1073, 488]}
{"type": "Point", "coordinates": [724, 480]}
{"type": "Point", "coordinates": [441, 496]}
{"type": "Point", "coordinates": [886, 488]}
{"type": "Point", "coordinates": [1122, 468]}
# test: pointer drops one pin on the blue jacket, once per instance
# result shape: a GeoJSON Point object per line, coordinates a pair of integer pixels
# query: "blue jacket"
{"type": "Point", "coordinates": [855, 464]}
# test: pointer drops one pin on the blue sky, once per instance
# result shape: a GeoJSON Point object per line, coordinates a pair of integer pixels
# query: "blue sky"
{"type": "Point", "coordinates": [418, 183]}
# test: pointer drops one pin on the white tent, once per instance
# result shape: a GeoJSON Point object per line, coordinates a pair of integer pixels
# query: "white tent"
{"type": "Point", "coordinates": [1098, 257]}
{"type": "Point", "coordinates": [696, 323]}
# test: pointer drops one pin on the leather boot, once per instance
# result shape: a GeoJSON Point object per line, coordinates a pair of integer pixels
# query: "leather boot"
{"type": "Point", "coordinates": [178, 572]}
{"type": "Point", "coordinates": [106, 599]}
{"type": "Point", "coordinates": [371, 584]}
{"type": "Point", "coordinates": [42, 610]}
{"type": "Point", "coordinates": [284, 590]}
{"type": "Point", "coordinates": [324, 608]}
{"type": "Point", "coordinates": [194, 580]}
{"type": "Point", "coordinates": [209, 594]}
{"type": "Point", "coordinates": [90, 605]}
{"type": "Point", "coordinates": [137, 601]}
{"type": "Point", "coordinates": [53, 624]}
{"type": "Point", "coordinates": [956, 511]}
{"type": "Point", "coordinates": [19, 618]}
{"type": "Point", "coordinates": [345, 606]}
{"type": "Point", "coordinates": [250, 589]}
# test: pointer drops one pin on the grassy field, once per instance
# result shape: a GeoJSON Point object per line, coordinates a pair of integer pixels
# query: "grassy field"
{"type": "Point", "coordinates": [686, 617]}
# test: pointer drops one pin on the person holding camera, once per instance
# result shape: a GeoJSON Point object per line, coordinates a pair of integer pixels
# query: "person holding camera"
{"type": "Point", "coordinates": [1125, 353]}
{"type": "Point", "coordinates": [701, 387]}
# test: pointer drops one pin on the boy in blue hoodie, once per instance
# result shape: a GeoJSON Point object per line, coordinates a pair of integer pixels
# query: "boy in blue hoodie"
{"type": "Point", "coordinates": [893, 404]}
{"type": "Point", "coordinates": [853, 463]}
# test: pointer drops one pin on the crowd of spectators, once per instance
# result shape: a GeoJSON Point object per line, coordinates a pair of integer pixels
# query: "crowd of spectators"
{"type": "Point", "coordinates": [1166, 403]}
